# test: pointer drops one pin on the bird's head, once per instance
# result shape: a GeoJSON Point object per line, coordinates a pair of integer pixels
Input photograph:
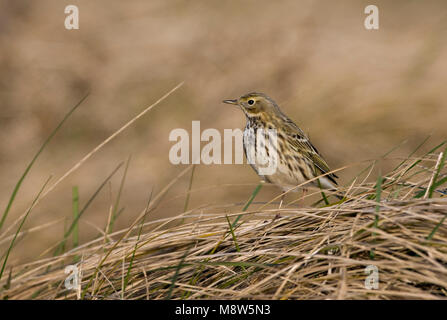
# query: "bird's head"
{"type": "Point", "coordinates": [255, 104]}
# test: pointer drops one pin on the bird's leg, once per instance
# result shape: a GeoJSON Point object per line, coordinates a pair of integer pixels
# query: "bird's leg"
{"type": "Point", "coordinates": [304, 195]}
{"type": "Point", "coordinates": [278, 215]}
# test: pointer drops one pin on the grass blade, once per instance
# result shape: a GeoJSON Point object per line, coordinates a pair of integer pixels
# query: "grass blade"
{"type": "Point", "coordinates": [423, 157]}
{"type": "Point", "coordinates": [233, 235]}
{"type": "Point", "coordinates": [189, 189]}
{"type": "Point", "coordinates": [126, 280]}
{"type": "Point", "coordinates": [20, 227]}
{"type": "Point", "coordinates": [75, 199]}
{"type": "Point", "coordinates": [118, 198]}
{"type": "Point", "coordinates": [412, 153]}
{"type": "Point", "coordinates": [28, 168]}
{"type": "Point", "coordinates": [440, 166]}
{"type": "Point", "coordinates": [378, 197]}
{"type": "Point", "coordinates": [137, 220]}
{"type": "Point", "coordinates": [326, 201]}
{"type": "Point", "coordinates": [110, 138]}
{"type": "Point", "coordinates": [177, 271]}
{"type": "Point", "coordinates": [232, 226]}
{"type": "Point", "coordinates": [75, 221]}
{"type": "Point", "coordinates": [432, 233]}
{"type": "Point", "coordinates": [421, 193]}
{"type": "Point", "coordinates": [252, 197]}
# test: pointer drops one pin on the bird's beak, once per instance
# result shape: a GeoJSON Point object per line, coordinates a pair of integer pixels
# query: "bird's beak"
{"type": "Point", "coordinates": [231, 101]}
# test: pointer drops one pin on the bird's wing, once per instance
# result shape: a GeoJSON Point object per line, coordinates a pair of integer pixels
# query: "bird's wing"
{"type": "Point", "coordinates": [298, 140]}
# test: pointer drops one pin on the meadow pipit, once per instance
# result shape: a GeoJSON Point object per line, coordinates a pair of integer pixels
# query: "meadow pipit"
{"type": "Point", "coordinates": [297, 159]}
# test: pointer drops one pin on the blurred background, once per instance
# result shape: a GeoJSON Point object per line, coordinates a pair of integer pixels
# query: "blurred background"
{"type": "Point", "coordinates": [357, 93]}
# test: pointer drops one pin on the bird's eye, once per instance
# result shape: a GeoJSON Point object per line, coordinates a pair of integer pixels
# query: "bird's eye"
{"type": "Point", "coordinates": [251, 102]}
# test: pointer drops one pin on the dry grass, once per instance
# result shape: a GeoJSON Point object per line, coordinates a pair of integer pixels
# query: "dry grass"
{"type": "Point", "coordinates": [313, 252]}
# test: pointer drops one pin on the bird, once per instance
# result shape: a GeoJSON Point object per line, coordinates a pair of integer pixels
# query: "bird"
{"type": "Point", "coordinates": [296, 159]}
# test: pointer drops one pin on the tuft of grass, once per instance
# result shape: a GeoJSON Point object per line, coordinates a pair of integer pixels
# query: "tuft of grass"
{"type": "Point", "coordinates": [77, 214]}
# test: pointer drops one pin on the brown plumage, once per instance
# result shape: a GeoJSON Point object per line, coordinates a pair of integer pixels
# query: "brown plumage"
{"type": "Point", "coordinates": [297, 158]}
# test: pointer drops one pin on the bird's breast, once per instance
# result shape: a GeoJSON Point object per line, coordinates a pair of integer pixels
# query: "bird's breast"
{"type": "Point", "coordinates": [268, 161]}
{"type": "Point", "coordinates": [259, 150]}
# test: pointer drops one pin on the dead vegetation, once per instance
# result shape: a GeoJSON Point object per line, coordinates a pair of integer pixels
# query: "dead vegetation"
{"type": "Point", "coordinates": [315, 252]}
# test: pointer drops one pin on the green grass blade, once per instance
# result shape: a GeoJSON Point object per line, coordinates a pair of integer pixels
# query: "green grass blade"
{"type": "Point", "coordinates": [177, 272]}
{"type": "Point", "coordinates": [126, 280]}
{"type": "Point", "coordinates": [116, 209]}
{"type": "Point", "coordinates": [92, 277]}
{"type": "Point", "coordinates": [189, 189]}
{"type": "Point", "coordinates": [326, 201]}
{"type": "Point", "coordinates": [233, 235]}
{"type": "Point", "coordinates": [439, 183]}
{"type": "Point", "coordinates": [375, 161]}
{"type": "Point", "coordinates": [252, 197]}
{"type": "Point", "coordinates": [423, 157]}
{"type": "Point", "coordinates": [75, 200]}
{"type": "Point", "coordinates": [8, 281]}
{"type": "Point", "coordinates": [28, 168]}
{"type": "Point", "coordinates": [432, 233]}
{"type": "Point", "coordinates": [75, 221]}
{"type": "Point", "coordinates": [20, 227]}
{"type": "Point", "coordinates": [378, 198]}
{"type": "Point", "coordinates": [412, 153]}
{"type": "Point", "coordinates": [232, 226]}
